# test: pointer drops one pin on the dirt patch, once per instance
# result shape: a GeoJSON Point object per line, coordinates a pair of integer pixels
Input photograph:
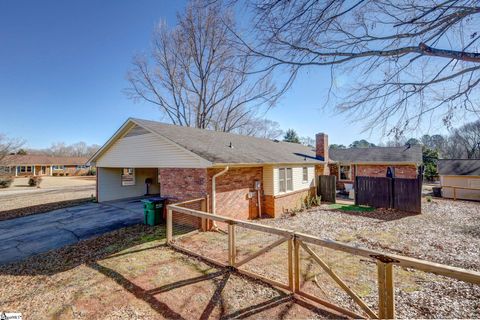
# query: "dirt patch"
{"type": "Point", "coordinates": [41, 208]}
{"type": "Point", "coordinates": [131, 273]}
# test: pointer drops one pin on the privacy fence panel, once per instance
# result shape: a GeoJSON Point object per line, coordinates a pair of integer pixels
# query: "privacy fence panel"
{"type": "Point", "coordinates": [373, 191]}
{"type": "Point", "coordinates": [327, 187]}
{"type": "Point", "coordinates": [397, 193]}
{"type": "Point", "coordinates": [407, 194]}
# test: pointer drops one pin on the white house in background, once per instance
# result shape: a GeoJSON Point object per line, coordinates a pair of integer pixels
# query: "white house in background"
{"type": "Point", "coordinates": [460, 178]}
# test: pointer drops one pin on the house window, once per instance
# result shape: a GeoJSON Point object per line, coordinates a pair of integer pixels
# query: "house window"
{"type": "Point", "coordinates": [345, 173]}
{"type": "Point", "coordinates": [305, 174]}
{"type": "Point", "coordinates": [58, 167]}
{"type": "Point", "coordinates": [23, 169]}
{"type": "Point", "coordinates": [281, 179]}
{"type": "Point", "coordinates": [82, 166]}
{"type": "Point", "coordinates": [128, 177]}
{"type": "Point", "coordinates": [285, 179]}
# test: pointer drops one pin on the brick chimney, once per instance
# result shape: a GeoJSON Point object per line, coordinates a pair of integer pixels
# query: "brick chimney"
{"type": "Point", "coordinates": [322, 146]}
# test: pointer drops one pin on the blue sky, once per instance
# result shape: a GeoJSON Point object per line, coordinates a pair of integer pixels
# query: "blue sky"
{"type": "Point", "coordinates": [63, 66]}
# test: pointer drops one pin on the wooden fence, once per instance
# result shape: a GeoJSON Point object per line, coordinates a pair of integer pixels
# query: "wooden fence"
{"type": "Point", "coordinates": [296, 243]}
{"type": "Point", "coordinates": [327, 188]}
{"type": "Point", "coordinates": [381, 192]}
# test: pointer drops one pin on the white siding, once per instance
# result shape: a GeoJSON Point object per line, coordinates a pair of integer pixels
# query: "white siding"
{"type": "Point", "coordinates": [297, 174]}
{"type": "Point", "coordinates": [460, 181]}
{"type": "Point", "coordinates": [148, 151]}
{"type": "Point", "coordinates": [268, 184]}
{"type": "Point", "coordinates": [110, 184]}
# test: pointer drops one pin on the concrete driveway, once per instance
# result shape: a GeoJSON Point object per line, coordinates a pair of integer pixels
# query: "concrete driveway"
{"type": "Point", "coordinates": [27, 236]}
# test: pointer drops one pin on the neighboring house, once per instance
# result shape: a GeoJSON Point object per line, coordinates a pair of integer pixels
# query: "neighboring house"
{"type": "Point", "coordinates": [243, 176]}
{"type": "Point", "coordinates": [460, 178]}
{"type": "Point", "coordinates": [41, 165]}
{"type": "Point", "coordinates": [346, 164]}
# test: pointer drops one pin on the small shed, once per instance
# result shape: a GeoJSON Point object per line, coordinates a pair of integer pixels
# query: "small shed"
{"type": "Point", "coordinates": [460, 178]}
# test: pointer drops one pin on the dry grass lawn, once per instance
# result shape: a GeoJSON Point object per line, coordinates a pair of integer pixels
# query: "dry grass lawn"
{"type": "Point", "coordinates": [131, 274]}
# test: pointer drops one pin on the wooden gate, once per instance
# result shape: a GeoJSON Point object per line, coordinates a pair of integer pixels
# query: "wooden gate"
{"type": "Point", "coordinates": [407, 194]}
{"type": "Point", "coordinates": [381, 192]}
{"type": "Point", "coordinates": [327, 188]}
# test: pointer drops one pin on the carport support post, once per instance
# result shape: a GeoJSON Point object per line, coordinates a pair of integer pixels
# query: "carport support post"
{"type": "Point", "coordinates": [169, 225]}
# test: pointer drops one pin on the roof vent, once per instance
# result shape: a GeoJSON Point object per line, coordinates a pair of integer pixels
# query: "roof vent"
{"type": "Point", "coordinates": [276, 140]}
{"type": "Point", "coordinates": [231, 145]}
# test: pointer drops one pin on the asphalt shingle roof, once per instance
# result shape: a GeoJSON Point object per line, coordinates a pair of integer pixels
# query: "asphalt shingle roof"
{"type": "Point", "coordinates": [459, 167]}
{"type": "Point", "coordinates": [215, 147]}
{"type": "Point", "coordinates": [411, 154]}
{"type": "Point", "coordinates": [38, 159]}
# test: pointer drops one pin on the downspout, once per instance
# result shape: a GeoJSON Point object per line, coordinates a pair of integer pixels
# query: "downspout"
{"type": "Point", "coordinates": [214, 194]}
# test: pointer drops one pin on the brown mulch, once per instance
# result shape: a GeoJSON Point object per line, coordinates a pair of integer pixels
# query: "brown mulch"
{"type": "Point", "coordinates": [41, 208]}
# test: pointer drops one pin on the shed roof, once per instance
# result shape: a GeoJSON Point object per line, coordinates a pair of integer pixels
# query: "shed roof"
{"type": "Point", "coordinates": [459, 167]}
{"type": "Point", "coordinates": [229, 148]}
{"type": "Point", "coordinates": [412, 154]}
{"type": "Point", "coordinates": [38, 159]}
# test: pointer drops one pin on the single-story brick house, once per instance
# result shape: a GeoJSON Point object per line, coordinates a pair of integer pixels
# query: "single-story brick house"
{"type": "Point", "coordinates": [247, 176]}
{"type": "Point", "coordinates": [244, 177]}
{"type": "Point", "coordinates": [346, 164]}
{"type": "Point", "coordinates": [460, 178]}
{"type": "Point", "coordinates": [42, 165]}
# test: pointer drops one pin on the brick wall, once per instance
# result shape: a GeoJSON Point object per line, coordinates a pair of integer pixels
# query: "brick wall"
{"type": "Point", "coordinates": [401, 171]}
{"type": "Point", "coordinates": [183, 184]}
{"type": "Point", "coordinates": [232, 191]}
{"type": "Point", "coordinates": [275, 206]}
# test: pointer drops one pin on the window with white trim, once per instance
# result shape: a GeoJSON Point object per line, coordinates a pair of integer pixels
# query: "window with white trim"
{"type": "Point", "coordinates": [305, 174]}
{"type": "Point", "coordinates": [58, 167]}
{"type": "Point", "coordinates": [344, 173]}
{"type": "Point", "coordinates": [285, 179]}
{"type": "Point", "coordinates": [23, 169]}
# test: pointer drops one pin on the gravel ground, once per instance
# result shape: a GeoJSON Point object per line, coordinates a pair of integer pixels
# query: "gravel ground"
{"type": "Point", "coordinates": [52, 190]}
{"type": "Point", "coordinates": [446, 232]}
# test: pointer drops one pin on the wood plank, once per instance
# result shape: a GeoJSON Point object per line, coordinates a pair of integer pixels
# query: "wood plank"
{"type": "Point", "coordinates": [290, 265]}
{"type": "Point", "coordinates": [260, 252]}
{"type": "Point", "coordinates": [426, 266]}
{"type": "Point", "coordinates": [231, 245]}
{"type": "Point", "coordinates": [169, 225]}
{"type": "Point", "coordinates": [296, 263]}
{"type": "Point", "coordinates": [340, 282]}
{"type": "Point", "coordinates": [382, 311]}
{"type": "Point", "coordinates": [245, 224]}
{"type": "Point", "coordinates": [390, 292]}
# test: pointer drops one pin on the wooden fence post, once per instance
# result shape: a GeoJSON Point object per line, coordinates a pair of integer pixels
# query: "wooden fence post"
{"type": "Point", "coordinates": [203, 207]}
{"type": "Point", "coordinates": [231, 245]}
{"type": "Point", "coordinates": [290, 265]}
{"type": "Point", "coordinates": [169, 225]}
{"type": "Point", "coordinates": [296, 263]}
{"type": "Point", "coordinates": [386, 295]}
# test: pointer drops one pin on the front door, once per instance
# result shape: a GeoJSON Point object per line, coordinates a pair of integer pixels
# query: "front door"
{"type": "Point", "coordinates": [44, 170]}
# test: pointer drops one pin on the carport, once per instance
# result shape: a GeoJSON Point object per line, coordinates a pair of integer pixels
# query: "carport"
{"type": "Point", "coordinates": [136, 154]}
{"type": "Point", "coordinates": [129, 182]}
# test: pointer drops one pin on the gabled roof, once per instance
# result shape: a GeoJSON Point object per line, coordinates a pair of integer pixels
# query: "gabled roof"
{"type": "Point", "coordinates": [38, 159]}
{"type": "Point", "coordinates": [222, 147]}
{"type": "Point", "coordinates": [459, 167]}
{"type": "Point", "coordinates": [411, 154]}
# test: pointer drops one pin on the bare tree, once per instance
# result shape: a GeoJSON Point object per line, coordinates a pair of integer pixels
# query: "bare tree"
{"type": "Point", "coordinates": [412, 60]}
{"type": "Point", "coordinates": [262, 128]}
{"type": "Point", "coordinates": [197, 74]}
{"type": "Point", "coordinates": [468, 136]}
{"type": "Point", "coordinates": [8, 146]}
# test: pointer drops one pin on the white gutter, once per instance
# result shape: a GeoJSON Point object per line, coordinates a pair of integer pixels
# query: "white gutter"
{"type": "Point", "coordinates": [214, 193]}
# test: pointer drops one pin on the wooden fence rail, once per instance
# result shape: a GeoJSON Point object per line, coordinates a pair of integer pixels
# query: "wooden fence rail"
{"type": "Point", "coordinates": [299, 241]}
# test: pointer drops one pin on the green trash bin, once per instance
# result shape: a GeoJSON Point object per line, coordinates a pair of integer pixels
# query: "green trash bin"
{"type": "Point", "coordinates": [153, 211]}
